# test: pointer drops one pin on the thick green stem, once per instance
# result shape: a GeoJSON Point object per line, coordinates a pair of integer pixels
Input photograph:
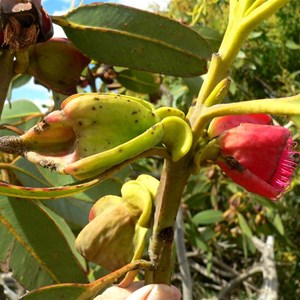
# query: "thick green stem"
{"type": "Point", "coordinates": [286, 106]}
{"type": "Point", "coordinates": [172, 184]}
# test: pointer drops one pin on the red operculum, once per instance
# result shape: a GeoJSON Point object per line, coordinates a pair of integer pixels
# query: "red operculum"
{"type": "Point", "coordinates": [221, 124]}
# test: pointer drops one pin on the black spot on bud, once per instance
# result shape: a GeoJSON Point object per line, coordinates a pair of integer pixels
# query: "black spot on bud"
{"type": "Point", "coordinates": [234, 164]}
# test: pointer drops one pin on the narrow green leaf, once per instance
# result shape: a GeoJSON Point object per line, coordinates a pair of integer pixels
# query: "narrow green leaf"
{"type": "Point", "coordinates": [207, 217]}
{"type": "Point", "coordinates": [128, 37]}
{"type": "Point", "coordinates": [45, 193]}
{"type": "Point", "coordinates": [41, 245]}
{"type": "Point", "coordinates": [139, 81]}
{"type": "Point", "coordinates": [244, 226]}
{"type": "Point", "coordinates": [195, 238]}
{"type": "Point", "coordinates": [74, 208]}
{"type": "Point", "coordinates": [278, 224]}
{"type": "Point", "coordinates": [247, 234]}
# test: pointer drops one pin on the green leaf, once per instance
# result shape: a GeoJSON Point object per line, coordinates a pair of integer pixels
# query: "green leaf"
{"type": "Point", "coordinates": [207, 217]}
{"type": "Point", "coordinates": [266, 202]}
{"type": "Point", "coordinates": [213, 37]}
{"type": "Point", "coordinates": [75, 208]}
{"type": "Point", "coordinates": [244, 226]}
{"type": "Point", "coordinates": [45, 193]}
{"type": "Point", "coordinates": [128, 37]}
{"type": "Point", "coordinates": [292, 45]}
{"type": "Point", "coordinates": [195, 238]}
{"type": "Point", "coordinates": [296, 120]}
{"type": "Point", "coordinates": [278, 224]}
{"type": "Point", "coordinates": [41, 245]}
{"type": "Point", "coordinates": [139, 81]}
{"type": "Point", "coordinates": [59, 292]}
{"type": "Point", "coordinates": [275, 219]}
{"type": "Point", "coordinates": [247, 233]}
{"type": "Point", "coordinates": [18, 111]}
{"type": "Point", "coordinates": [20, 80]}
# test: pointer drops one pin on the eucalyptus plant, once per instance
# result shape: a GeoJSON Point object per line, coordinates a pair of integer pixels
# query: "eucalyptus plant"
{"type": "Point", "coordinates": [90, 136]}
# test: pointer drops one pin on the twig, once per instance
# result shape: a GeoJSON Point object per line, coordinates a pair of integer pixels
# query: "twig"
{"type": "Point", "coordinates": [184, 266]}
{"type": "Point", "coordinates": [266, 266]}
{"type": "Point", "coordinates": [269, 288]}
{"type": "Point", "coordinates": [10, 289]}
{"type": "Point", "coordinates": [237, 280]}
{"type": "Point", "coordinates": [203, 271]}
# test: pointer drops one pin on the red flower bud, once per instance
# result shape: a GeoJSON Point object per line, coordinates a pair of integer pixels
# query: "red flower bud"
{"type": "Point", "coordinates": [261, 158]}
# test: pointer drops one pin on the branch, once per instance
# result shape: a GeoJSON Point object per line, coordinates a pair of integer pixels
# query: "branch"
{"type": "Point", "coordinates": [269, 288]}
{"type": "Point", "coordinates": [203, 271]}
{"type": "Point", "coordinates": [184, 266]}
{"type": "Point", "coordinates": [267, 266]}
{"type": "Point", "coordinates": [237, 280]}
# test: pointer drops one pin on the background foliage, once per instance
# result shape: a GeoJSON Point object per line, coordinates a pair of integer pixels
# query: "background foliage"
{"type": "Point", "coordinates": [268, 66]}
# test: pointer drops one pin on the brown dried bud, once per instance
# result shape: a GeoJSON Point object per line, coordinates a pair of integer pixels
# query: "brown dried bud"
{"type": "Point", "coordinates": [24, 23]}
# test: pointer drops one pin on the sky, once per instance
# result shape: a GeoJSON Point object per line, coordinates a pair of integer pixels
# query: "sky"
{"type": "Point", "coordinates": [41, 95]}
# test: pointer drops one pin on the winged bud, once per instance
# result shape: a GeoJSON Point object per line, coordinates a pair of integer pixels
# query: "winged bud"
{"type": "Point", "coordinates": [24, 23]}
{"type": "Point", "coordinates": [117, 229]}
{"type": "Point", "coordinates": [96, 132]}
{"type": "Point", "coordinates": [261, 158]}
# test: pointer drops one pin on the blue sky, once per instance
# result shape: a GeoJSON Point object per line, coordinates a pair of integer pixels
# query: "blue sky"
{"type": "Point", "coordinates": [54, 6]}
{"type": "Point", "coordinates": [41, 95]}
